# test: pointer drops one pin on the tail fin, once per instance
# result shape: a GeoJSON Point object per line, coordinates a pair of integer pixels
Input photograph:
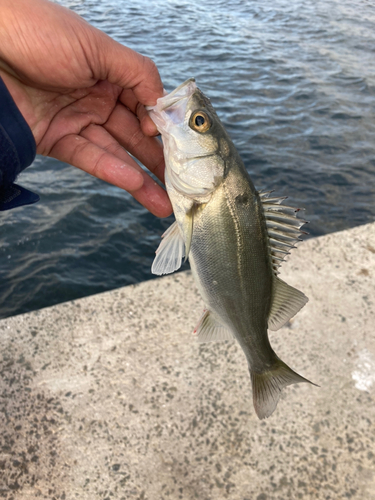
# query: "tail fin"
{"type": "Point", "coordinates": [267, 386]}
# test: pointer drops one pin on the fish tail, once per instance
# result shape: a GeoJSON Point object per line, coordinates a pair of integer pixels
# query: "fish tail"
{"type": "Point", "coordinates": [267, 386]}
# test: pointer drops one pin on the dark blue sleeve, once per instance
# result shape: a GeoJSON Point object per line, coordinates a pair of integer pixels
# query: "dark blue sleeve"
{"type": "Point", "coordinates": [17, 151]}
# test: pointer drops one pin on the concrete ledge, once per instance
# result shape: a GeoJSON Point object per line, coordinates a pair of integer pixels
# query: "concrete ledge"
{"type": "Point", "coordinates": [110, 397]}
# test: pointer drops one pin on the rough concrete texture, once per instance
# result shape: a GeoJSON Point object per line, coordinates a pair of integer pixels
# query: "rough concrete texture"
{"type": "Point", "coordinates": [110, 397]}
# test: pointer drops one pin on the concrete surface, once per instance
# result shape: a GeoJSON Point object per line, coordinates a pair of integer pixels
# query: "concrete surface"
{"type": "Point", "coordinates": [110, 397]}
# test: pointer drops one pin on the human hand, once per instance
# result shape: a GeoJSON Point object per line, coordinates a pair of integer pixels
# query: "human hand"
{"type": "Point", "coordinates": [83, 96]}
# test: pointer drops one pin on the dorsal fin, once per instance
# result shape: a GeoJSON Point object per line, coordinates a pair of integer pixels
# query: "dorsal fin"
{"type": "Point", "coordinates": [286, 302]}
{"type": "Point", "coordinates": [283, 227]}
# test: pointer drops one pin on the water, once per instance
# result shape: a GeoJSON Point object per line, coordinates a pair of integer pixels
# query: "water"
{"type": "Point", "coordinates": [292, 80]}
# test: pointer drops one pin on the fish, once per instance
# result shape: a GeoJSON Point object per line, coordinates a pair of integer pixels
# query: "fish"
{"type": "Point", "coordinates": [234, 237]}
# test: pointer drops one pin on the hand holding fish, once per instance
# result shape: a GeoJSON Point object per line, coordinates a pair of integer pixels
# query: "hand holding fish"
{"type": "Point", "coordinates": [83, 96]}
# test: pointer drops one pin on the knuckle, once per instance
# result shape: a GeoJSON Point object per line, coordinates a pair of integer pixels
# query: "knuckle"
{"type": "Point", "coordinates": [134, 140]}
{"type": "Point", "coordinates": [97, 165]}
{"type": "Point", "coordinates": [151, 68]}
{"type": "Point", "coordinates": [114, 149]}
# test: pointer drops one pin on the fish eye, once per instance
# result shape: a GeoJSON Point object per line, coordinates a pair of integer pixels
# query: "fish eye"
{"type": "Point", "coordinates": [200, 121]}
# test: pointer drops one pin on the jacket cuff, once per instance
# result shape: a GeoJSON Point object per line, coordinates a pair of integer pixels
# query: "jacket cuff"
{"type": "Point", "coordinates": [17, 151]}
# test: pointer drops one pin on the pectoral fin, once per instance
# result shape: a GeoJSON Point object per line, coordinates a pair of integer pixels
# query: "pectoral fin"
{"type": "Point", "coordinates": [170, 252]}
{"type": "Point", "coordinates": [286, 302]}
{"type": "Point", "coordinates": [188, 231]}
{"type": "Point", "coordinates": [188, 227]}
{"type": "Point", "coordinates": [209, 329]}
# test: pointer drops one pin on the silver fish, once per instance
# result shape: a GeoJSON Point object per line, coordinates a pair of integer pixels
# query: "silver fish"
{"type": "Point", "coordinates": [234, 237]}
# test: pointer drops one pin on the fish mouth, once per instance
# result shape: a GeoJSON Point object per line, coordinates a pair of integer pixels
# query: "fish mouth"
{"type": "Point", "coordinates": [172, 107]}
{"type": "Point", "coordinates": [183, 91]}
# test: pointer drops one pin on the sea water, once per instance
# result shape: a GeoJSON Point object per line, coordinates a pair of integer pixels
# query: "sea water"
{"type": "Point", "coordinates": [293, 82]}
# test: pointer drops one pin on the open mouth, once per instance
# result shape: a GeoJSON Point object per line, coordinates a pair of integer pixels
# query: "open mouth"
{"type": "Point", "coordinates": [183, 91]}
{"type": "Point", "coordinates": [172, 107]}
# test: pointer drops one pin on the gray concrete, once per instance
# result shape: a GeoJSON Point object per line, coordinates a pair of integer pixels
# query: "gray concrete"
{"type": "Point", "coordinates": [110, 397]}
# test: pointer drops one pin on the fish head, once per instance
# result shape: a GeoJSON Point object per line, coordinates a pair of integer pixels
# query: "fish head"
{"type": "Point", "coordinates": [195, 141]}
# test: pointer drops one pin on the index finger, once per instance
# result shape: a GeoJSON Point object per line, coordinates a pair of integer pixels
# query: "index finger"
{"type": "Point", "coordinates": [128, 69]}
{"type": "Point", "coordinates": [128, 98]}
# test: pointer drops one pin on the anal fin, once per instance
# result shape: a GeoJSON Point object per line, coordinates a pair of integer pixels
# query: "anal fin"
{"type": "Point", "coordinates": [209, 329]}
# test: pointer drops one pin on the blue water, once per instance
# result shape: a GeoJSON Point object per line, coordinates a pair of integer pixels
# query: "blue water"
{"type": "Point", "coordinates": [292, 80]}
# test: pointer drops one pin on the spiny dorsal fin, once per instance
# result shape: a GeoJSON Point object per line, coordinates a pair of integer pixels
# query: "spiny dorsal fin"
{"type": "Point", "coordinates": [283, 227]}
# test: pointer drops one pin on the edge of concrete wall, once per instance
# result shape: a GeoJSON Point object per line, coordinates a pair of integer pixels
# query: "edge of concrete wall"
{"type": "Point", "coordinates": [110, 396]}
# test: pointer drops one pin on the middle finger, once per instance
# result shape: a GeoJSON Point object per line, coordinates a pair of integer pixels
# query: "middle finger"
{"type": "Point", "coordinates": [124, 126]}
